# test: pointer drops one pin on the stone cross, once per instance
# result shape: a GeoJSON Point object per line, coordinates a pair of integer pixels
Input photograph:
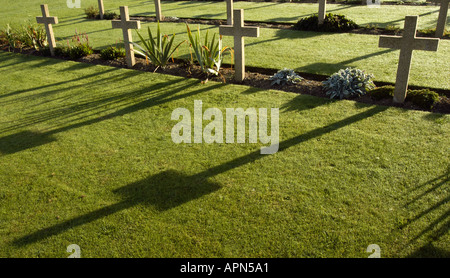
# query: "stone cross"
{"type": "Point", "coordinates": [229, 12]}
{"type": "Point", "coordinates": [322, 10]}
{"type": "Point", "coordinates": [238, 31]}
{"type": "Point", "coordinates": [372, 3]}
{"type": "Point", "coordinates": [442, 19]}
{"type": "Point", "coordinates": [101, 8]}
{"type": "Point", "coordinates": [48, 21]}
{"type": "Point", "coordinates": [159, 16]}
{"type": "Point", "coordinates": [126, 24]}
{"type": "Point", "coordinates": [406, 44]}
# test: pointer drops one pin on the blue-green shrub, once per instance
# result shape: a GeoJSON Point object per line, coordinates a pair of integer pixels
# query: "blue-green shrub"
{"type": "Point", "coordinates": [285, 76]}
{"type": "Point", "coordinates": [348, 83]}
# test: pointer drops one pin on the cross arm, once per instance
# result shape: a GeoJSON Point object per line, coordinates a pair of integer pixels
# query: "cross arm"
{"type": "Point", "coordinates": [118, 24]}
{"type": "Point", "coordinates": [250, 32]}
{"type": "Point", "coordinates": [390, 42]}
{"type": "Point", "coordinates": [394, 42]}
{"type": "Point", "coordinates": [230, 30]}
{"type": "Point", "coordinates": [426, 44]}
{"type": "Point", "coordinates": [226, 30]}
{"type": "Point", "coordinates": [47, 20]}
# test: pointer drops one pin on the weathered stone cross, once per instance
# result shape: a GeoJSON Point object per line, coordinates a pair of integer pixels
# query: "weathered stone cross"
{"type": "Point", "coordinates": [159, 16]}
{"type": "Point", "coordinates": [229, 12]}
{"type": "Point", "coordinates": [322, 10]}
{"type": "Point", "coordinates": [48, 21]}
{"type": "Point", "coordinates": [442, 19]}
{"type": "Point", "coordinates": [126, 24]}
{"type": "Point", "coordinates": [101, 8]}
{"type": "Point", "coordinates": [406, 44]}
{"type": "Point", "coordinates": [238, 31]}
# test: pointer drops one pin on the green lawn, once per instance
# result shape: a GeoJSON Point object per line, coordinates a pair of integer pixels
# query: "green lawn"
{"type": "Point", "coordinates": [256, 11]}
{"type": "Point", "coordinates": [86, 158]}
{"type": "Point", "coordinates": [302, 51]}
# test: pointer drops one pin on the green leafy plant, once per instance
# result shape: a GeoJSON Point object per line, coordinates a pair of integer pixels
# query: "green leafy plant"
{"type": "Point", "coordinates": [430, 32]}
{"type": "Point", "coordinates": [34, 36]}
{"type": "Point", "coordinates": [332, 23]}
{"type": "Point", "coordinates": [81, 47]}
{"type": "Point", "coordinates": [208, 54]}
{"type": "Point", "coordinates": [159, 50]}
{"type": "Point", "coordinates": [10, 38]}
{"type": "Point", "coordinates": [393, 29]}
{"type": "Point", "coordinates": [109, 15]}
{"type": "Point", "coordinates": [112, 53]}
{"type": "Point", "coordinates": [382, 92]}
{"type": "Point", "coordinates": [92, 12]}
{"type": "Point", "coordinates": [285, 76]}
{"type": "Point", "coordinates": [348, 83]}
{"type": "Point", "coordinates": [424, 98]}
{"type": "Point", "coordinates": [78, 49]}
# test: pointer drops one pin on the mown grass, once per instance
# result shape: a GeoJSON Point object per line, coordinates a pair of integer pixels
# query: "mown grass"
{"type": "Point", "coordinates": [386, 15]}
{"type": "Point", "coordinates": [86, 158]}
{"type": "Point", "coordinates": [303, 51]}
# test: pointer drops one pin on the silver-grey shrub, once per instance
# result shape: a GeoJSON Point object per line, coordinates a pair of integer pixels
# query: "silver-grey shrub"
{"type": "Point", "coordinates": [349, 82]}
{"type": "Point", "coordinates": [285, 76]}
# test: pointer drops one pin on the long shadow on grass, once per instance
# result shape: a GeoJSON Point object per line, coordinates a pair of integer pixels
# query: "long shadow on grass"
{"type": "Point", "coordinates": [440, 225]}
{"type": "Point", "coordinates": [162, 191]}
{"type": "Point", "coordinates": [288, 19]}
{"type": "Point", "coordinates": [21, 141]}
{"type": "Point", "coordinates": [170, 189]}
{"type": "Point", "coordinates": [327, 68]}
{"type": "Point", "coordinates": [398, 20]}
{"type": "Point", "coordinates": [78, 66]}
{"type": "Point", "coordinates": [285, 34]}
{"type": "Point", "coordinates": [24, 60]}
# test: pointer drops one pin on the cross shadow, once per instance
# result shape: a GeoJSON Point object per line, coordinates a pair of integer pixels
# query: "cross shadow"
{"type": "Point", "coordinates": [336, 7]}
{"type": "Point", "coordinates": [163, 191]}
{"type": "Point", "coordinates": [262, 6]}
{"type": "Point", "coordinates": [305, 102]}
{"type": "Point", "coordinates": [287, 34]}
{"type": "Point", "coordinates": [169, 189]}
{"type": "Point", "coordinates": [328, 68]}
{"type": "Point", "coordinates": [440, 225]}
{"type": "Point", "coordinates": [118, 104]}
{"type": "Point", "coordinates": [48, 62]}
{"type": "Point", "coordinates": [430, 251]}
{"type": "Point", "coordinates": [398, 20]}
{"type": "Point", "coordinates": [23, 140]}
{"type": "Point", "coordinates": [70, 22]}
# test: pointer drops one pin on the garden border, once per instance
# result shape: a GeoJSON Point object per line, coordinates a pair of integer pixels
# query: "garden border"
{"type": "Point", "coordinates": [257, 78]}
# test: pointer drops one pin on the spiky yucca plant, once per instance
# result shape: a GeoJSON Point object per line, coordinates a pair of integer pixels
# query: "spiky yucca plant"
{"type": "Point", "coordinates": [158, 50]}
{"type": "Point", "coordinates": [208, 54]}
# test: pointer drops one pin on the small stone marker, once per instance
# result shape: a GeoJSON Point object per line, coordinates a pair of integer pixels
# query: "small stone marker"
{"type": "Point", "coordinates": [322, 10]}
{"type": "Point", "coordinates": [372, 3]}
{"type": "Point", "coordinates": [101, 8]}
{"type": "Point", "coordinates": [48, 21]}
{"type": "Point", "coordinates": [229, 12]}
{"type": "Point", "coordinates": [238, 31]}
{"type": "Point", "coordinates": [126, 24]}
{"type": "Point", "coordinates": [406, 44]}
{"type": "Point", "coordinates": [442, 19]}
{"type": "Point", "coordinates": [159, 16]}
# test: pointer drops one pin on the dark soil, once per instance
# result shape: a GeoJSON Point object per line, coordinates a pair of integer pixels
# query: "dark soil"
{"type": "Point", "coordinates": [255, 77]}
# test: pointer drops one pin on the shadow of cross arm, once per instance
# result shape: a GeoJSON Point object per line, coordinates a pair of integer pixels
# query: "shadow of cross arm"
{"type": "Point", "coordinates": [163, 191]}
{"type": "Point", "coordinates": [170, 188]}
